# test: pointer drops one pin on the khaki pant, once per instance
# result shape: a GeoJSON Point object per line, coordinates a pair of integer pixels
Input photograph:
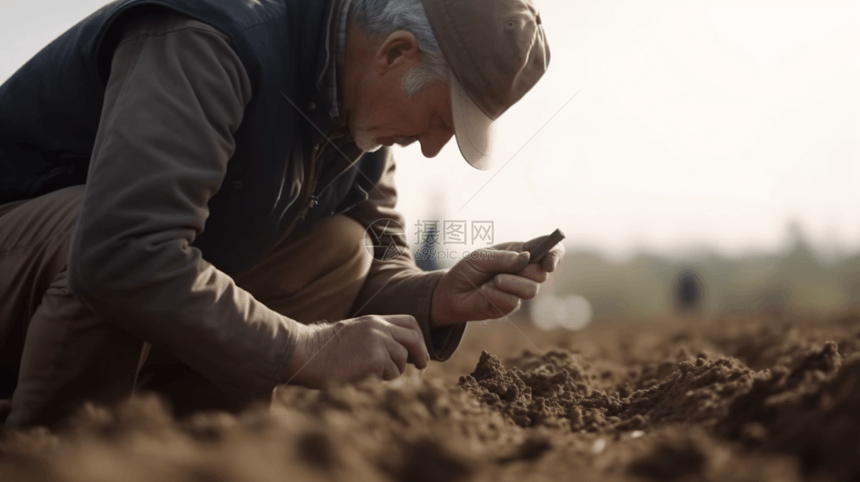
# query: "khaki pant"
{"type": "Point", "coordinates": [55, 353]}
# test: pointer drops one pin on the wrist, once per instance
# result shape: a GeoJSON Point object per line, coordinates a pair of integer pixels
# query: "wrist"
{"type": "Point", "coordinates": [440, 313]}
{"type": "Point", "coordinates": [306, 345]}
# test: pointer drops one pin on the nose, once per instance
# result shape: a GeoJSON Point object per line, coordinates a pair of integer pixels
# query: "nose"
{"type": "Point", "coordinates": [433, 141]}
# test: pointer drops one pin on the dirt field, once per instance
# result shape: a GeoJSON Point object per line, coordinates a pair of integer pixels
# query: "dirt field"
{"type": "Point", "coordinates": [736, 398]}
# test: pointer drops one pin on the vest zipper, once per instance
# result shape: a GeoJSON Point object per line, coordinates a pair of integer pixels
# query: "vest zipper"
{"type": "Point", "coordinates": [310, 197]}
{"type": "Point", "coordinates": [307, 194]}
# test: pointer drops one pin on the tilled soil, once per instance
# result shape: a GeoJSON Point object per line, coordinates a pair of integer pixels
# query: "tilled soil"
{"type": "Point", "coordinates": [739, 397]}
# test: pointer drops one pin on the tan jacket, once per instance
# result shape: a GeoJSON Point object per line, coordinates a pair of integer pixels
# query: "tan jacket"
{"type": "Point", "coordinates": [176, 94]}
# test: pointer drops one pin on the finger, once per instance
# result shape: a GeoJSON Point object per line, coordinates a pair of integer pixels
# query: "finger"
{"type": "Point", "coordinates": [493, 261]}
{"type": "Point", "coordinates": [551, 261]}
{"type": "Point", "coordinates": [534, 272]}
{"type": "Point", "coordinates": [413, 342]}
{"type": "Point", "coordinates": [398, 354]}
{"type": "Point", "coordinates": [518, 286]}
{"type": "Point", "coordinates": [390, 372]}
{"type": "Point", "coordinates": [405, 321]}
{"type": "Point", "coordinates": [517, 246]}
{"type": "Point", "coordinates": [500, 303]}
{"type": "Point", "coordinates": [410, 323]}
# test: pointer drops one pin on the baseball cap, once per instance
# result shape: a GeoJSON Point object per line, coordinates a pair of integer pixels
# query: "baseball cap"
{"type": "Point", "coordinates": [497, 52]}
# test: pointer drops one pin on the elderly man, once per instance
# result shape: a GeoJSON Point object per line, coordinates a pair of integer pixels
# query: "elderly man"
{"type": "Point", "coordinates": [192, 183]}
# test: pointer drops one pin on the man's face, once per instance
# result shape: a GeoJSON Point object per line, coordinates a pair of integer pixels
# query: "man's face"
{"type": "Point", "coordinates": [387, 116]}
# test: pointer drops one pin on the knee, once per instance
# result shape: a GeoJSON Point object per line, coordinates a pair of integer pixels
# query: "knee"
{"type": "Point", "coordinates": [346, 243]}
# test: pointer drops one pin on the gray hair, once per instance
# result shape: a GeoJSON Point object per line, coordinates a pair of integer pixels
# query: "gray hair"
{"type": "Point", "coordinates": [378, 18]}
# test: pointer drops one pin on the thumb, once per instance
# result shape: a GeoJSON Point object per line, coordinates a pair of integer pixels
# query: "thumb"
{"type": "Point", "coordinates": [495, 261]}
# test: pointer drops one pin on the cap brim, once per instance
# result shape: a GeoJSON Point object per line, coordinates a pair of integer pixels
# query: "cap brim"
{"type": "Point", "coordinates": [472, 127]}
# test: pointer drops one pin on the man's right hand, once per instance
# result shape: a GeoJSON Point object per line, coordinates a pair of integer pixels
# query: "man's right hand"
{"type": "Point", "coordinates": [349, 350]}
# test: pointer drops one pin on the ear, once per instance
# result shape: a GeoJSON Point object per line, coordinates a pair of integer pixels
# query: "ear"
{"type": "Point", "coordinates": [398, 49]}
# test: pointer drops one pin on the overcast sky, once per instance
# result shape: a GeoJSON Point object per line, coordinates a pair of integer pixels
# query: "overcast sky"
{"type": "Point", "coordinates": [697, 123]}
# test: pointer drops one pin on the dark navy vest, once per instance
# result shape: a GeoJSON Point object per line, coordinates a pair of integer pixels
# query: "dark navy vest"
{"type": "Point", "coordinates": [50, 110]}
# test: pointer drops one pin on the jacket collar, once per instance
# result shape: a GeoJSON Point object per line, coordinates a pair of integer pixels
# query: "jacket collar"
{"type": "Point", "coordinates": [329, 80]}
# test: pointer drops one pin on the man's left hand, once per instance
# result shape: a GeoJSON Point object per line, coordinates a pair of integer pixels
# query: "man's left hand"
{"type": "Point", "coordinates": [491, 283]}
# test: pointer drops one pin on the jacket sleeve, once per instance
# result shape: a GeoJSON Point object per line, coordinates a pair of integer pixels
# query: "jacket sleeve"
{"type": "Point", "coordinates": [176, 94]}
{"type": "Point", "coordinates": [395, 284]}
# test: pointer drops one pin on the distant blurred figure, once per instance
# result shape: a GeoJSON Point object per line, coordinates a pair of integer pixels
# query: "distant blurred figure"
{"type": "Point", "coordinates": [426, 257]}
{"type": "Point", "coordinates": [688, 293]}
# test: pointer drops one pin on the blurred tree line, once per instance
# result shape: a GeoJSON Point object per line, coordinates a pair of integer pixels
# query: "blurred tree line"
{"type": "Point", "coordinates": [800, 277]}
